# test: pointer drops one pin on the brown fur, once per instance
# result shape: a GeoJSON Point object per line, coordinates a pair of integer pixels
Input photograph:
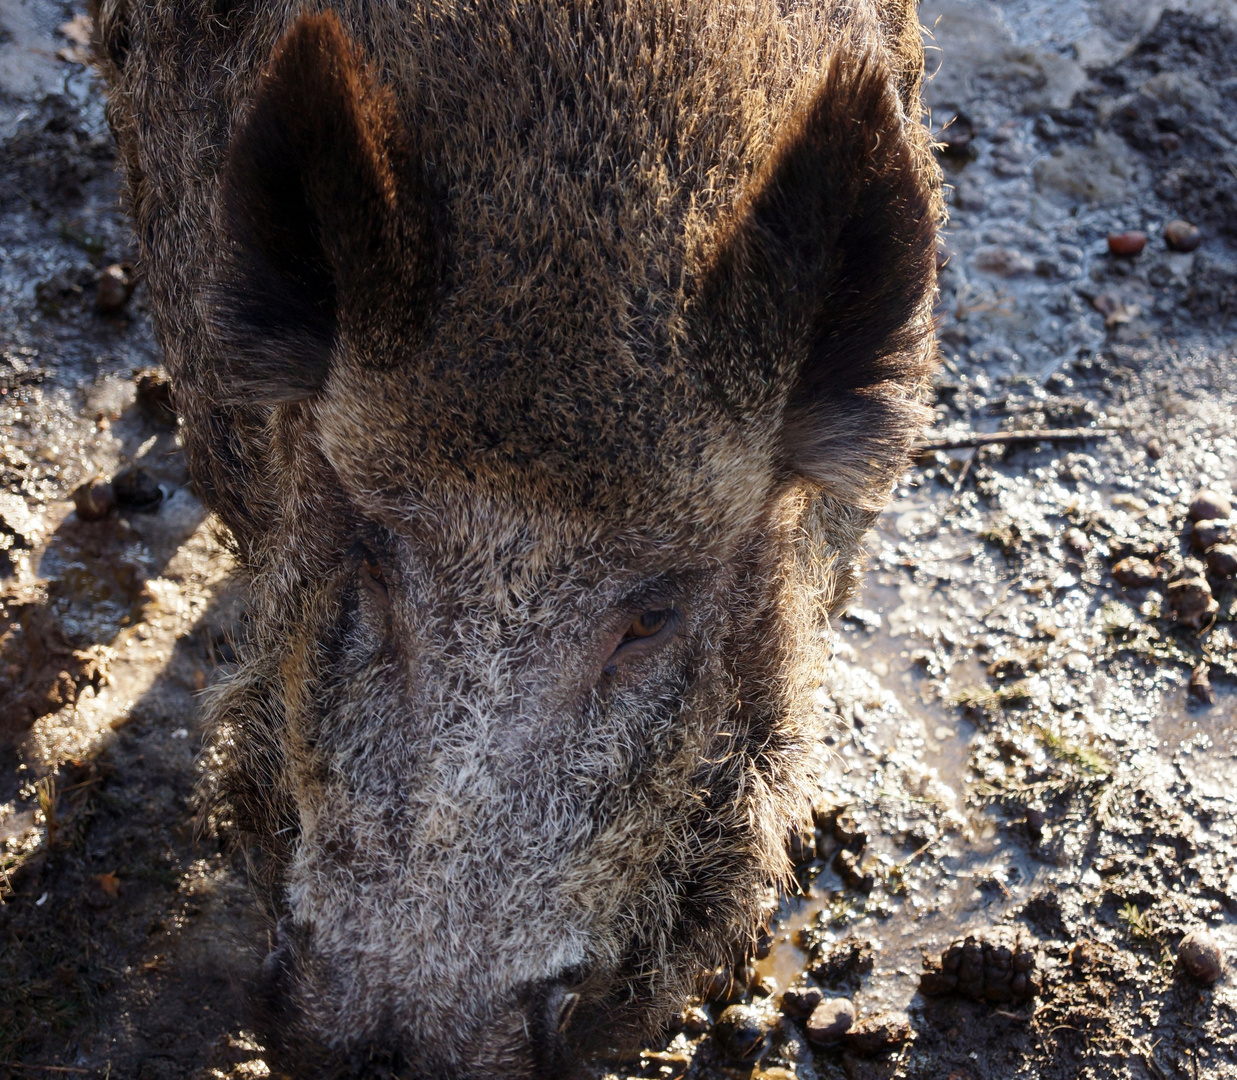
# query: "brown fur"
{"type": "Point", "coordinates": [492, 326]}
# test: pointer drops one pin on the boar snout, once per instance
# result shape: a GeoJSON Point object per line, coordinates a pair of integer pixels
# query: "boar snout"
{"type": "Point", "coordinates": [525, 1037]}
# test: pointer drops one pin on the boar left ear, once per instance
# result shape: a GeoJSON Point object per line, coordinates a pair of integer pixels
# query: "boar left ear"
{"type": "Point", "coordinates": [325, 220]}
{"type": "Point", "coordinates": [830, 271]}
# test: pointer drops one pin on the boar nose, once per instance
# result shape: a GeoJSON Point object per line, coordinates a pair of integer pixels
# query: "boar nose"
{"type": "Point", "coordinates": [549, 1006]}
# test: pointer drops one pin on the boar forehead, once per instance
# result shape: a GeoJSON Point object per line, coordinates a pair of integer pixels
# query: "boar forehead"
{"type": "Point", "coordinates": [601, 467]}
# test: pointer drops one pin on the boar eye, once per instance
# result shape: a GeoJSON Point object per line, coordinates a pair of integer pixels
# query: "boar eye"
{"type": "Point", "coordinates": [648, 623]}
{"type": "Point", "coordinates": [648, 631]}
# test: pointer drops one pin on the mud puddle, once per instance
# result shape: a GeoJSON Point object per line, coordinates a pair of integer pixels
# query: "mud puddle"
{"type": "Point", "coordinates": [1009, 744]}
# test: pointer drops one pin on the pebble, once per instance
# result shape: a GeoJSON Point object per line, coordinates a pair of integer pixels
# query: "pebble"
{"type": "Point", "coordinates": [1036, 819]}
{"type": "Point", "coordinates": [723, 986]}
{"type": "Point", "coordinates": [956, 136]}
{"type": "Point", "coordinates": [1154, 448]}
{"type": "Point", "coordinates": [137, 490]}
{"type": "Point", "coordinates": [801, 845]}
{"type": "Point", "coordinates": [1222, 560]}
{"type": "Point", "coordinates": [1191, 601]}
{"type": "Point", "coordinates": [764, 986]}
{"type": "Point", "coordinates": [1077, 542]}
{"type": "Point", "coordinates": [848, 831]}
{"type": "Point", "coordinates": [775, 1073]}
{"type": "Point", "coordinates": [878, 1034]}
{"type": "Point", "coordinates": [1135, 573]}
{"type": "Point", "coordinates": [154, 397]}
{"type": "Point", "coordinates": [1200, 956]}
{"type": "Point", "coordinates": [1200, 690]}
{"type": "Point", "coordinates": [696, 1021]}
{"type": "Point", "coordinates": [800, 999]}
{"type": "Point", "coordinates": [1209, 505]}
{"type": "Point", "coordinates": [1210, 531]}
{"type": "Point", "coordinates": [825, 813]}
{"type": "Point", "coordinates": [853, 872]}
{"type": "Point", "coordinates": [94, 500]}
{"type": "Point", "coordinates": [1127, 243]}
{"type": "Point", "coordinates": [830, 1020]}
{"type": "Point", "coordinates": [843, 961]}
{"type": "Point", "coordinates": [742, 1032]}
{"type": "Point", "coordinates": [1182, 236]}
{"type": "Point", "coordinates": [115, 288]}
{"type": "Point", "coordinates": [1002, 261]}
{"type": "Point", "coordinates": [763, 944]}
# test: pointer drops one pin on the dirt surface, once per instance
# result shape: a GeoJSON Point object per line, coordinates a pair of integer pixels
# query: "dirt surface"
{"type": "Point", "coordinates": [1015, 746]}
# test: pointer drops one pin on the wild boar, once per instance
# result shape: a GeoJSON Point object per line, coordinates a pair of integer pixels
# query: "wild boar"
{"type": "Point", "coordinates": [546, 361]}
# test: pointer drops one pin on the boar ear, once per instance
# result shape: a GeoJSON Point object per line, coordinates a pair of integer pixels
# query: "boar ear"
{"type": "Point", "coordinates": [831, 268]}
{"type": "Point", "coordinates": [325, 219]}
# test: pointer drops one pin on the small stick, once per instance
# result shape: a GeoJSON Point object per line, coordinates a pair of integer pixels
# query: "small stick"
{"type": "Point", "coordinates": [45, 1068]}
{"type": "Point", "coordinates": [996, 438]}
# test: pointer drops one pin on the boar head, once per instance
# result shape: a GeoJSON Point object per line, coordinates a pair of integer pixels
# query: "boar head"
{"type": "Point", "coordinates": [566, 452]}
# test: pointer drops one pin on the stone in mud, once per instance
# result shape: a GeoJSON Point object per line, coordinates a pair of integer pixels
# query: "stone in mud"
{"type": "Point", "coordinates": [801, 845]}
{"type": "Point", "coordinates": [825, 813]}
{"type": "Point", "coordinates": [956, 135]}
{"type": "Point", "coordinates": [1200, 685]}
{"type": "Point", "coordinates": [848, 831]}
{"type": "Point", "coordinates": [764, 944]}
{"type": "Point", "coordinates": [1127, 244]}
{"type": "Point", "coordinates": [154, 397]}
{"type": "Point", "coordinates": [726, 984]}
{"type": "Point", "coordinates": [1200, 957]}
{"type": "Point", "coordinates": [1036, 819]}
{"type": "Point", "coordinates": [115, 287]}
{"type": "Point", "coordinates": [1207, 532]}
{"type": "Point", "coordinates": [1002, 261]}
{"type": "Point", "coordinates": [1209, 505]}
{"type": "Point", "coordinates": [830, 1020]}
{"type": "Point", "coordinates": [852, 870]}
{"type": "Point", "coordinates": [1191, 601]}
{"type": "Point", "coordinates": [878, 1034]}
{"type": "Point", "coordinates": [137, 490]}
{"type": "Point", "coordinates": [801, 998]}
{"type": "Point", "coordinates": [94, 499]}
{"type": "Point", "coordinates": [1222, 560]}
{"type": "Point", "coordinates": [843, 963]}
{"type": "Point", "coordinates": [997, 968]}
{"type": "Point", "coordinates": [1182, 236]}
{"type": "Point", "coordinates": [742, 1033]}
{"type": "Point", "coordinates": [1077, 542]}
{"type": "Point", "coordinates": [1135, 573]}
{"type": "Point", "coordinates": [788, 1047]}
{"type": "Point", "coordinates": [695, 1020]}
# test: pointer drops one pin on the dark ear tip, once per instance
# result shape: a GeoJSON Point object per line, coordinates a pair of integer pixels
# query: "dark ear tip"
{"type": "Point", "coordinates": [314, 204]}
{"type": "Point", "coordinates": [832, 260]}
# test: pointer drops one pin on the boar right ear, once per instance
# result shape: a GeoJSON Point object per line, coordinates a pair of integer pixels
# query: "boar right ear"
{"type": "Point", "coordinates": [825, 284]}
{"type": "Point", "coordinates": [325, 220]}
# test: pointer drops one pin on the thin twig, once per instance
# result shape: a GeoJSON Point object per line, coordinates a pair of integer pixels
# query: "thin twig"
{"type": "Point", "coordinates": [45, 1068]}
{"type": "Point", "coordinates": [996, 438]}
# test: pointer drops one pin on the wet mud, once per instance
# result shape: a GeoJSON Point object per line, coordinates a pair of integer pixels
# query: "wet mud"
{"type": "Point", "coordinates": [1028, 747]}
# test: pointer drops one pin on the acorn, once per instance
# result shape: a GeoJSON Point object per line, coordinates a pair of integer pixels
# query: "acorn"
{"type": "Point", "coordinates": [1127, 244]}
{"type": "Point", "coordinates": [94, 499]}
{"type": "Point", "coordinates": [1182, 236]}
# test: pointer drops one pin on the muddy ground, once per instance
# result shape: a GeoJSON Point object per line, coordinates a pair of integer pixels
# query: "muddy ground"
{"type": "Point", "coordinates": [1010, 746]}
